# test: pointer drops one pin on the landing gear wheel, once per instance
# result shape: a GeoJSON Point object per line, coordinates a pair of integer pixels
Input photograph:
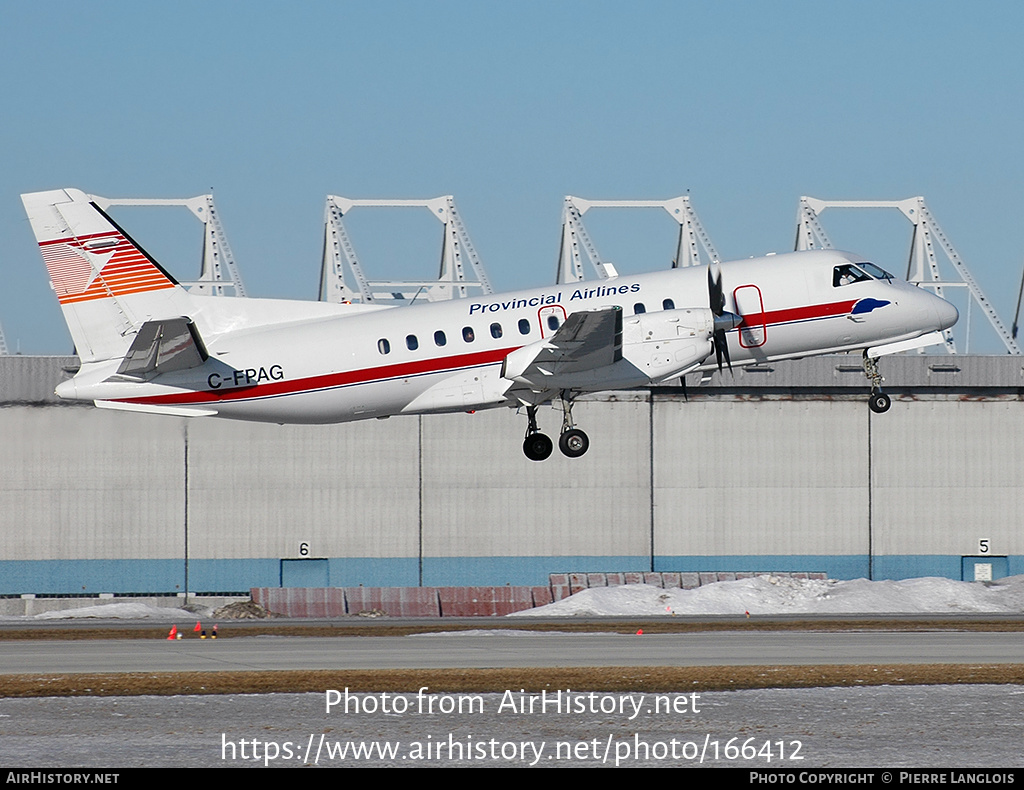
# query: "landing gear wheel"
{"type": "Point", "coordinates": [537, 446]}
{"type": "Point", "coordinates": [879, 402]}
{"type": "Point", "coordinates": [573, 443]}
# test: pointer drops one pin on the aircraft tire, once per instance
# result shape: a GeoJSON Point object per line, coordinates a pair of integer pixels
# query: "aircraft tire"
{"type": "Point", "coordinates": [573, 443]}
{"type": "Point", "coordinates": [537, 446]}
{"type": "Point", "coordinates": [879, 402]}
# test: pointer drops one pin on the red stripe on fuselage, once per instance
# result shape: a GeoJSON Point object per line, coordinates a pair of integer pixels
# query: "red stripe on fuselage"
{"type": "Point", "coordinates": [331, 380]}
{"type": "Point", "coordinates": [434, 365]}
{"type": "Point", "coordinates": [797, 314]}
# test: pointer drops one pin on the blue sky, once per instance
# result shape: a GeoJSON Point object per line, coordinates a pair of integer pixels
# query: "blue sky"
{"type": "Point", "coordinates": [510, 106]}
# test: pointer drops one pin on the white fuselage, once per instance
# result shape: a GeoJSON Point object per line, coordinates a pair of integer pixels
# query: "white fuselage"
{"type": "Point", "coordinates": [346, 363]}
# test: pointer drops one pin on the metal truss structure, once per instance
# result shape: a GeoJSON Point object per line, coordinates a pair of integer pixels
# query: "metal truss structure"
{"type": "Point", "coordinates": [923, 265]}
{"type": "Point", "coordinates": [1016, 313]}
{"type": "Point", "coordinates": [218, 274]}
{"type": "Point", "coordinates": [342, 278]}
{"type": "Point", "coordinates": [576, 241]}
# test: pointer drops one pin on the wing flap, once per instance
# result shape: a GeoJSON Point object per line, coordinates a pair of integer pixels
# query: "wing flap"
{"type": "Point", "coordinates": [586, 341]}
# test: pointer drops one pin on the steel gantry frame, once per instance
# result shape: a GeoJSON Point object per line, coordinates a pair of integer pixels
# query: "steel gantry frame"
{"type": "Point", "coordinates": [218, 274]}
{"type": "Point", "coordinates": [923, 263]}
{"type": "Point", "coordinates": [576, 241]}
{"type": "Point", "coordinates": [342, 278]}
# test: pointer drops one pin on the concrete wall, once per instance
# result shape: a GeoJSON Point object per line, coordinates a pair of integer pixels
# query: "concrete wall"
{"type": "Point", "coordinates": [90, 501]}
{"type": "Point", "coordinates": [95, 501]}
{"type": "Point", "coordinates": [771, 485]}
{"type": "Point", "coordinates": [947, 477]}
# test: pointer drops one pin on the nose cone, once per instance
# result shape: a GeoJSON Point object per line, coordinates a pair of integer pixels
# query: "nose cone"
{"type": "Point", "coordinates": [946, 313]}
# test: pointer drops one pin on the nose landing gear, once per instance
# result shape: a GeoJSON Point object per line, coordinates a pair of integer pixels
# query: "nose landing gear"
{"type": "Point", "coordinates": [878, 401]}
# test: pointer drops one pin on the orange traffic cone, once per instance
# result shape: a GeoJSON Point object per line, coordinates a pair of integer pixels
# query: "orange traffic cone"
{"type": "Point", "coordinates": [173, 634]}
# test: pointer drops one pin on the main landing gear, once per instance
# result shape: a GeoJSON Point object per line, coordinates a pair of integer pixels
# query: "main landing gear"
{"type": "Point", "coordinates": [878, 401]}
{"type": "Point", "coordinates": [571, 441]}
{"type": "Point", "coordinates": [536, 446]}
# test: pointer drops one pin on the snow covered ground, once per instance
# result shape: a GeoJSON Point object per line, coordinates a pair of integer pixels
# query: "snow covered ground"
{"type": "Point", "coordinates": [783, 595]}
{"type": "Point", "coordinates": [112, 611]}
{"type": "Point", "coordinates": [795, 729]}
{"type": "Point", "coordinates": [762, 595]}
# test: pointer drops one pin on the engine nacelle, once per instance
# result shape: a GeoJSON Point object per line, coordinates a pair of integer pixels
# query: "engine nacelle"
{"type": "Point", "coordinates": [666, 344]}
{"type": "Point", "coordinates": [655, 347]}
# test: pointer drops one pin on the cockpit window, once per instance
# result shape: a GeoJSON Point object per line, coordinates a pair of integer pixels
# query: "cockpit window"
{"type": "Point", "coordinates": [847, 274]}
{"type": "Point", "coordinates": [876, 271]}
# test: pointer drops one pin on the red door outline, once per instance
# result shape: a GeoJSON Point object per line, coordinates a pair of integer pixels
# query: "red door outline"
{"type": "Point", "coordinates": [542, 316]}
{"type": "Point", "coordinates": [750, 305]}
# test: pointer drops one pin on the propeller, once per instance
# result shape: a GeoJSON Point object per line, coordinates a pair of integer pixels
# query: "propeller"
{"type": "Point", "coordinates": [724, 320]}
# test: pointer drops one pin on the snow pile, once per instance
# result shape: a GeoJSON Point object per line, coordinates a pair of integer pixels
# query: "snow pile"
{"type": "Point", "coordinates": [784, 595]}
{"type": "Point", "coordinates": [759, 596]}
{"type": "Point", "coordinates": [112, 611]}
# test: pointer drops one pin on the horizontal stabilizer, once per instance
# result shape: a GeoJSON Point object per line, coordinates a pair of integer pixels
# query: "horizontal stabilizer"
{"type": "Point", "coordinates": [163, 346]}
{"type": "Point", "coordinates": [150, 408]}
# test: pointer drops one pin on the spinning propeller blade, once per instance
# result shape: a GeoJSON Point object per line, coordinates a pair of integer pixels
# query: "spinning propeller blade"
{"type": "Point", "coordinates": [716, 300]}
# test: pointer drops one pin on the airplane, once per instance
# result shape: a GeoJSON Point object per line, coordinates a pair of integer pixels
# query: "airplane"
{"type": "Point", "coordinates": [148, 345]}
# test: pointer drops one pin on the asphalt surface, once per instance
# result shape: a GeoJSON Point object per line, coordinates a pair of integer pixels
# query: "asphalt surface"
{"type": "Point", "coordinates": [795, 730]}
{"type": "Point", "coordinates": [485, 649]}
{"type": "Point", "coordinates": [885, 726]}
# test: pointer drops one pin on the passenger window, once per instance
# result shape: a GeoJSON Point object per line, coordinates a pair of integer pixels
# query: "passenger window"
{"type": "Point", "coordinates": [439, 338]}
{"type": "Point", "coordinates": [639, 309]}
{"type": "Point", "coordinates": [552, 322]}
{"type": "Point", "coordinates": [383, 346]}
{"type": "Point", "coordinates": [467, 334]}
{"type": "Point", "coordinates": [524, 326]}
{"type": "Point", "coordinates": [668, 304]}
{"type": "Point", "coordinates": [411, 342]}
{"type": "Point", "coordinates": [495, 331]}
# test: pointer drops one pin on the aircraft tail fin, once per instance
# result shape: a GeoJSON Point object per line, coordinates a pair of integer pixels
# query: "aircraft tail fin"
{"type": "Point", "coordinates": [107, 285]}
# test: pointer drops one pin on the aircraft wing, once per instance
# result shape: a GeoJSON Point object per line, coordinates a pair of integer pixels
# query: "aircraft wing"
{"type": "Point", "coordinates": [162, 346]}
{"type": "Point", "coordinates": [585, 342]}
